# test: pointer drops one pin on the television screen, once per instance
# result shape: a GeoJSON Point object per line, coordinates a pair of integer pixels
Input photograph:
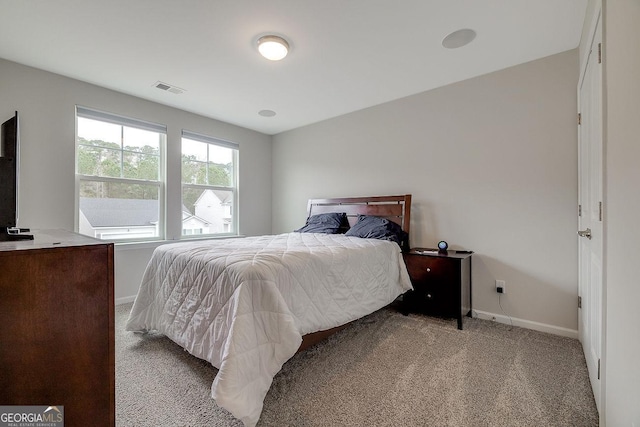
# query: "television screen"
{"type": "Point", "coordinates": [9, 173]}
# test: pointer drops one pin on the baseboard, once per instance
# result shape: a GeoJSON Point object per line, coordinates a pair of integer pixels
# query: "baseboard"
{"type": "Point", "coordinates": [125, 300]}
{"type": "Point", "coordinates": [529, 324]}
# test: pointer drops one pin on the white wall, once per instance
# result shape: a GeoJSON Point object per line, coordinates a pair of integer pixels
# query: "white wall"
{"type": "Point", "coordinates": [492, 166]}
{"type": "Point", "coordinates": [46, 105]}
{"type": "Point", "coordinates": [621, 211]}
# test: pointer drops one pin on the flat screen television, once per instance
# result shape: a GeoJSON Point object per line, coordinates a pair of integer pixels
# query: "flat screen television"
{"type": "Point", "coordinates": [9, 173]}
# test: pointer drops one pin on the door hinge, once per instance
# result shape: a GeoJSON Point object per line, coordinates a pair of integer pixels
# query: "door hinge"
{"type": "Point", "coordinates": [579, 302]}
{"type": "Point", "coordinates": [598, 368]}
{"type": "Point", "coordinates": [600, 210]}
{"type": "Point", "coordinates": [579, 210]}
{"type": "Point", "coordinates": [579, 119]}
{"type": "Point", "coordinates": [599, 53]}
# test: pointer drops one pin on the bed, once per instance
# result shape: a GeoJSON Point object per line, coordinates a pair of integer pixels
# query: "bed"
{"type": "Point", "coordinates": [247, 305]}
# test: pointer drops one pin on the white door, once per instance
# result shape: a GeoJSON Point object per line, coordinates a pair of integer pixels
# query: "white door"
{"type": "Point", "coordinates": [591, 214]}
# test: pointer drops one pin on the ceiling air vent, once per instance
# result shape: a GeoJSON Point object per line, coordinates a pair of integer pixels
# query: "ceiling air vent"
{"type": "Point", "coordinates": [168, 87]}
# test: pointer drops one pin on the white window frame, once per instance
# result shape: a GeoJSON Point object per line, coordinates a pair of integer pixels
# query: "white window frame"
{"type": "Point", "coordinates": [233, 188]}
{"type": "Point", "coordinates": [103, 116]}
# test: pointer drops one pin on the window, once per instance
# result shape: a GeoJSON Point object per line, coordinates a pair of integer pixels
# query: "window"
{"type": "Point", "coordinates": [120, 180]}
{"type": "Point", "coordinates": [209, 185]}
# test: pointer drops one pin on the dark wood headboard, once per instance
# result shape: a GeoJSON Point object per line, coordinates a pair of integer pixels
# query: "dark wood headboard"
{"type": "Point", "coordinates": [394, 208]}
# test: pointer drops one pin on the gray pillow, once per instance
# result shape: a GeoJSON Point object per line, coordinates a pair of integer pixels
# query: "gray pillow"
{"type": "Point", "coordinates": [375, 227]}
{"type": "Point", "coordinates": [329, 223]}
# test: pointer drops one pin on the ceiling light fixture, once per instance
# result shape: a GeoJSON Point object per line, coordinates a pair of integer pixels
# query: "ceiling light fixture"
{"type": "Point", "coordinates": [459, 38]}
{"type": "Point", "coordinates": [273, 48]}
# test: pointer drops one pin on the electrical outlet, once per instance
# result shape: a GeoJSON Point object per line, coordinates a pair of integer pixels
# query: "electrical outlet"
{"type": "Point", "coordinates": [500, 286]}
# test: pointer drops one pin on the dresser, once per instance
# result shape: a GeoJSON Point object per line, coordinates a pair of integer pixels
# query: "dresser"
{"type": "Point", "coordinates": [441, 281]}
{"type": "Point", "coordinates": [57, 342]}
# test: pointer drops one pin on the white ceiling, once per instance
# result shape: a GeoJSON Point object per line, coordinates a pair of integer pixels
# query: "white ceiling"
{"type": "Point", "coordinates": [345, 55]}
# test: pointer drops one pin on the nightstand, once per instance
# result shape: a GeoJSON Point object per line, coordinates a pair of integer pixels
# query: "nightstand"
{"type": "Point", "coordinates": [441, 282]}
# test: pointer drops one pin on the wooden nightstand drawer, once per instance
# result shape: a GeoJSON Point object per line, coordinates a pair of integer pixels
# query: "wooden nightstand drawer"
{"type": "Point", "coordinates": [429, 269]}
{"type": "Point", "coordinates": [435, 299]}
{"type": "Point", "coordinates": [441, 282]}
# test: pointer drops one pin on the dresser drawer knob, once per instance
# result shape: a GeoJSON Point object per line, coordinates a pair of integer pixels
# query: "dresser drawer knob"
{"type": "Point", "coordinates": [428, 269]}
{"type": "Point", "coordinates": [429, 296]}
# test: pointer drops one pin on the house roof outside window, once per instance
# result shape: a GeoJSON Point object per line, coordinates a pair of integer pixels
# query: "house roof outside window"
{"type": "Point", "coordinates": [101, 212]}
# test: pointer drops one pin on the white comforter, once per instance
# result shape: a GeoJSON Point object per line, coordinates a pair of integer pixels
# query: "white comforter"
{"type": "Point", "coordinates": [243, 304]}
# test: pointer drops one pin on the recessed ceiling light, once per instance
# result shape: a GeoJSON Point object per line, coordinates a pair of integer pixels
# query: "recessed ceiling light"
{"type": "Point", "coordinates": [267, 113]}
{"type": "Point", "coordinates": [273, 48]}
{"type": "Point", "coordinates": [459, 38]}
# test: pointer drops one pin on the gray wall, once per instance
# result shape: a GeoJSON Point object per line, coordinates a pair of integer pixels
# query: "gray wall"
{"type": "Point", "coordinates": [622, 204]}
{"type": "Point", "coordinates": [491, 163]}
{"type": "Point", "coordinates": [46, 104]}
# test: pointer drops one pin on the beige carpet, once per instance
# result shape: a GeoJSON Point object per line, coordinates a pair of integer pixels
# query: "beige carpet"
{"type": "Point", "coordinates": [384, 370]}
